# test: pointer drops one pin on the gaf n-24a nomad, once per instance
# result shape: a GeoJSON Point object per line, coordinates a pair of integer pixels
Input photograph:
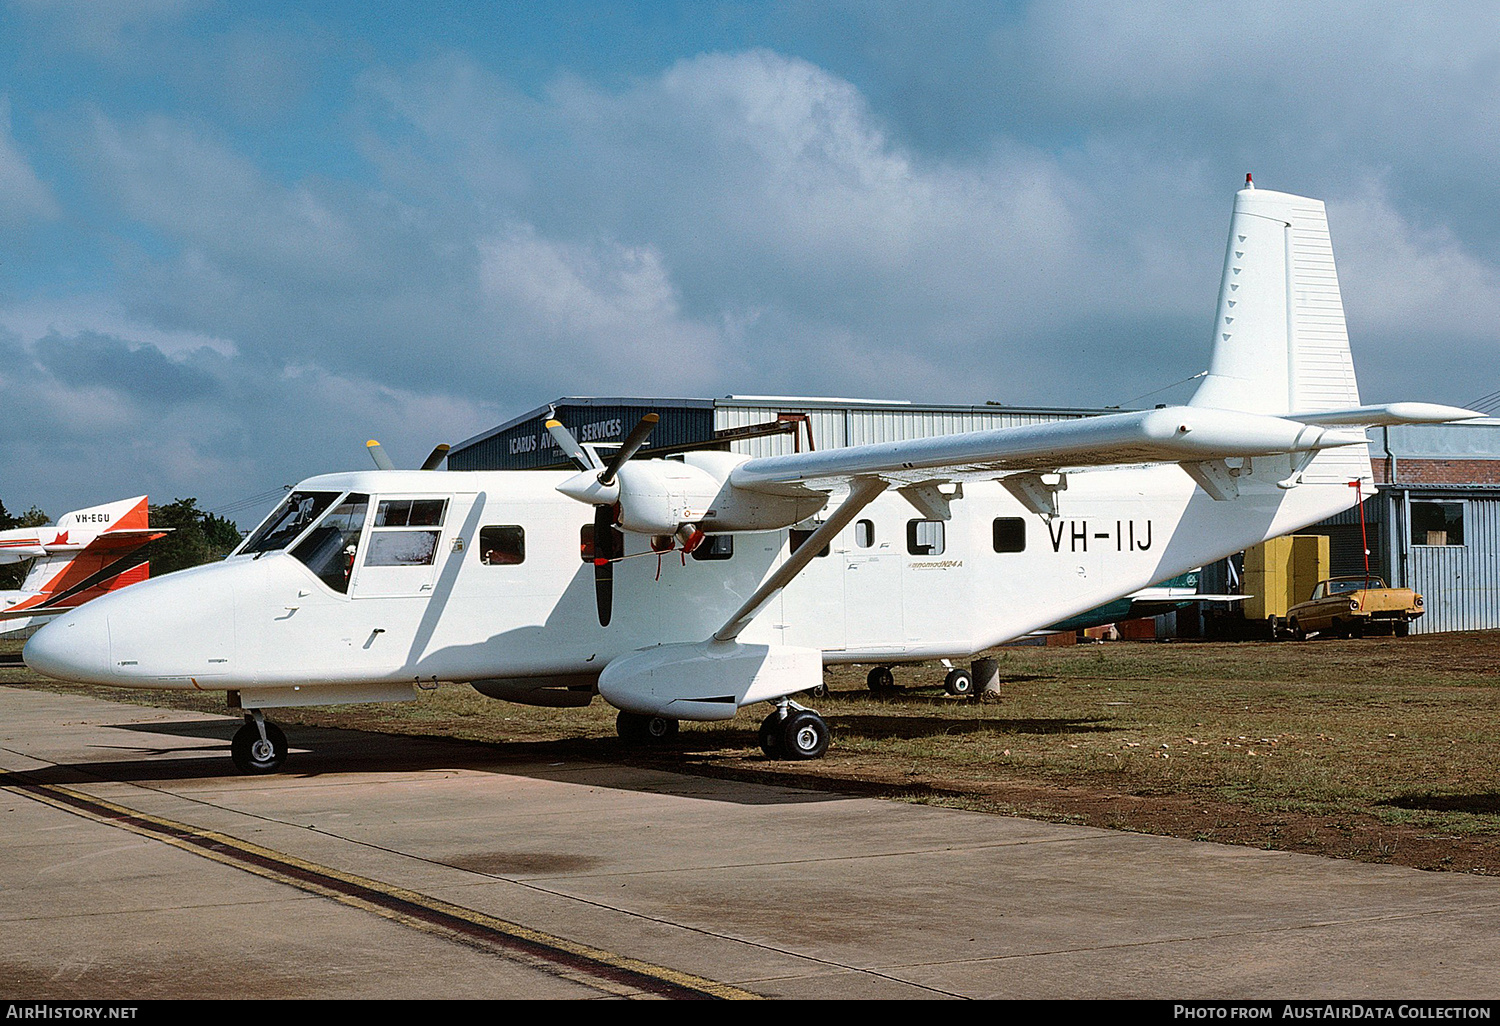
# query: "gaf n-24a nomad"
{"type": "Point", "coordinates": [361, 586]}
{"type": "Point", "coordinates": [86, 554]}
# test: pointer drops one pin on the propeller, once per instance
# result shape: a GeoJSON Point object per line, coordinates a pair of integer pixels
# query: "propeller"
{"type": "Point", "coordinates": [383, 461]}
{"type": "Point", "coordinates": [609, 544]}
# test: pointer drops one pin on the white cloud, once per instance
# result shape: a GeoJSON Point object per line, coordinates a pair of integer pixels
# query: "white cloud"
{"type": "Point", "coordinates": [1405, 278]}
{"type": "Point", "coordinates": [23, 196]}
{"type": "Point", "coordinates": [604, 312]}
{"type": "Point", "coordinates": [201, 194]}
{"type": "Point", "coordinates": [31, 320]}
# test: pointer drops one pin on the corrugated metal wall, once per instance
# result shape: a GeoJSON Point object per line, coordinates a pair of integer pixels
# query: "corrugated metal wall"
{"type": "Point", "coordinates": [1460, 584]}
{"type": "Point", "coordinates": [834, 426]}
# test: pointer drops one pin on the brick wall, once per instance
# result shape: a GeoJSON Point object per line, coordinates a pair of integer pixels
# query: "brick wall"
{"type": "Point", "coordinates": [1411, 471]}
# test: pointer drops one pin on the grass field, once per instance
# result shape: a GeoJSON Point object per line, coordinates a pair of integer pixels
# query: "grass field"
{"type": "Point", "coordinates": [1381, 749]}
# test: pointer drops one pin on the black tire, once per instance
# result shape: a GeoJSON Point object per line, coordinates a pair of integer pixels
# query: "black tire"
{"type": "Point", "coordinates": [880, 679]}
{"type": "Point", "coordinates": [1402, 628]}
{"type": "Point", "coordinates": [251, 755]}
{"type": "Point", "coordinates": [959, 682]}
{"type": "Point", "coordinates": [804, 735]}
{"type": "Point", "coordinates": [820, 691]}
{"type": "Point", "coordinates": [770, 736]}
{"type": "Point", "coordinates": [1298, 634]}
{"type": "Point", "coordinates": [639, 729]}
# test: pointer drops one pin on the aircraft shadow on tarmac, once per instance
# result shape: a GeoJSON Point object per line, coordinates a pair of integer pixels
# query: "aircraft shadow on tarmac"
{"type": "Point", "coordinates": [881, 727]}
{"type": "Point", "coordinates": [317, 751]}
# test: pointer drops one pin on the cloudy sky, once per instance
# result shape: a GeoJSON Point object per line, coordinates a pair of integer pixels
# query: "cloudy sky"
{"type": "Point", "coordinates": [238, 239]}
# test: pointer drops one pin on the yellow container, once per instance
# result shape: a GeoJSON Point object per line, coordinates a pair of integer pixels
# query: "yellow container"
{"type": "Point", "coordinates": [1310, 564]}
{"type": "Point", "coordinates": [1283, 571]}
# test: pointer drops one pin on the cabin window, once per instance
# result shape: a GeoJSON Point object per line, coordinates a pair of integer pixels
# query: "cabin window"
{"type": "Point", "coordinates": [864, 533]}
{"type": "Point", "coordinates": [1437, 523]}
{"type": "Point", "coordinates": [402, 548]}
{"type": "Point", "coordinates": [410, 513]}
{"type": "Point", "coordinates": [329, 549]}
{"type": "Point", "coordinates": [295, 514]}
{"type": "Point", "coordinates": [1010, 534]}
{"type": "Point", "coordinates": [502, 545]}
{"type": "Point", "coordinates": [715, 546]}
{"type": "Point", "coordinates": [799, 538]}
{"type": "Point", "coordinates": [924, 537]}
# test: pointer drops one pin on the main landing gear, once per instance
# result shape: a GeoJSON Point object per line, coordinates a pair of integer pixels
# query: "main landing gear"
{"type": "Point", "coordinates": [958, 682]}
{"type": "Point", "coordinates": [639, 729]}
{"type": "Point", "coordinates": [259, 746]}
{"type": "Point", "coordinates": [793, 732]}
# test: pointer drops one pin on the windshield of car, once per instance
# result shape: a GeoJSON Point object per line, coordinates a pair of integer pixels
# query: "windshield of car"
{"type": "Point", "coordinates": [295, 514]}
{"type": "Point", "coordinates": [1343, 585]}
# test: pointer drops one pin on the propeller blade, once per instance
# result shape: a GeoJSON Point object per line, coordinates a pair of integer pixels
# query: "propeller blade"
{"type": "Point", "coordinates": [606, 547]}
{"type": "Point", "coordinates": [435, 457]}
{"type": "Point", "coordinates": [584, 458]}
{"type": "Point", "coordinates": [633, 443]}
{"type": "Point", "coordinates": [378, 455]}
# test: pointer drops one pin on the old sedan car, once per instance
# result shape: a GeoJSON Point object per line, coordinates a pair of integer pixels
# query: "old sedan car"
{"type": "Point", "coordinates": [1354, 606]}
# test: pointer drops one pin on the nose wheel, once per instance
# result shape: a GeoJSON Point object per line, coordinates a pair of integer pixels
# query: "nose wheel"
{"type": "Point", "coordinates": [259, 746]}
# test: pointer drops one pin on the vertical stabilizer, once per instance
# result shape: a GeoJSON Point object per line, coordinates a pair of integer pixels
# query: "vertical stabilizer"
{"type": "Point", "coordinates": [1280, 344]}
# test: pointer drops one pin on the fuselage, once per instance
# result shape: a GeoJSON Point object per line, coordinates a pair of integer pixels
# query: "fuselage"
{"type": "Point", "coordinates": [469, 576]}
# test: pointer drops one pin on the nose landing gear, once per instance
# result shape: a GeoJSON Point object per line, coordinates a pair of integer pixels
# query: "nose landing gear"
{"type": "Point", "coordinates": [259, 746]}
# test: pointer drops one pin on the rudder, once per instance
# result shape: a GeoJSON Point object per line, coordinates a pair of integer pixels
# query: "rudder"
{"type": "Point", "coordinates": [1280, 341]}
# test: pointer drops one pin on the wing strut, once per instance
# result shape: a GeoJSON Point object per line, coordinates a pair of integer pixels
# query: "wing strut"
{"type": "Point", "coordinates": [861, 494]}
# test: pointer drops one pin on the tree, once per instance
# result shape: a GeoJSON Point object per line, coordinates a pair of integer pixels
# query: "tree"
{"type": "Point", "coordinates": [196, 537]}
{"type": "Point", "coordinates": [13, 575]}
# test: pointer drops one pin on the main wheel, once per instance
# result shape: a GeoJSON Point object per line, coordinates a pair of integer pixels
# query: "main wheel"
{"type": "Point", "coordinates": [880, 679]}
{"type": "Point", "coordinates": [1402, 628]}
{"type": "Point", "coordinates": [804, 735]}
{"type": "Point", "coordinates": [959, 682]}
{"type": "Point", "coordinates": [252, 755]}
{"type": "Point", "coordinates": [1298, 634]}
{"type": "Point", "coordinates": [639, 729]}
{"type": "Point", "coordinates": [770, 735]}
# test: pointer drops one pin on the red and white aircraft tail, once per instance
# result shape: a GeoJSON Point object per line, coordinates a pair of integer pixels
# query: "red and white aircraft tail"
{"type": "Point", "coordinates": [87, 553]}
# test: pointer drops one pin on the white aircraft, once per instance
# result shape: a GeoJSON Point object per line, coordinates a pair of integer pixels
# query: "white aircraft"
{"type": "Point", "coordinates": [715, 581]}
{"type": "Point", "coordinates": [86, 554]}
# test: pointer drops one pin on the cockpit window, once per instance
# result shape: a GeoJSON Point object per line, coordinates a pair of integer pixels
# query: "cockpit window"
{"type": "Point", "coordinates": [329, 549]}
{"type": "Point", "coordinates": [296, 512]}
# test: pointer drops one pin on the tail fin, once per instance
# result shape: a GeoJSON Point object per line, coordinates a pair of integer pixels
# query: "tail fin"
{"type": "Point", "coordinates": [86, 553]}
{"type": "Point", "coordinates": [1280, 344]}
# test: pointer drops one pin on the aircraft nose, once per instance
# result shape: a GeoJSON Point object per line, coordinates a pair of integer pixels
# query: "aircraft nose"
{"type": "Point", "coordinates": [74, 647]}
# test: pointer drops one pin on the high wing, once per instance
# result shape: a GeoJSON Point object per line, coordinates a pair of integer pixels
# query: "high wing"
{"type": "Point", "coordinates": [1181, 434]}
{"type": "Point", "coordinates": [1197, 438]}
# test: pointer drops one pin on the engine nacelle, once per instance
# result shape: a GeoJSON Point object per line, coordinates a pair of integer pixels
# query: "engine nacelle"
{"type": "Point", "coordinates": [657, 497]}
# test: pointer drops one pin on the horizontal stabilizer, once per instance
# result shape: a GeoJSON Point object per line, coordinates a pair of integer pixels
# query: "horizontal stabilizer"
{"type": "Point", "coordinates": [1391, 413]}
